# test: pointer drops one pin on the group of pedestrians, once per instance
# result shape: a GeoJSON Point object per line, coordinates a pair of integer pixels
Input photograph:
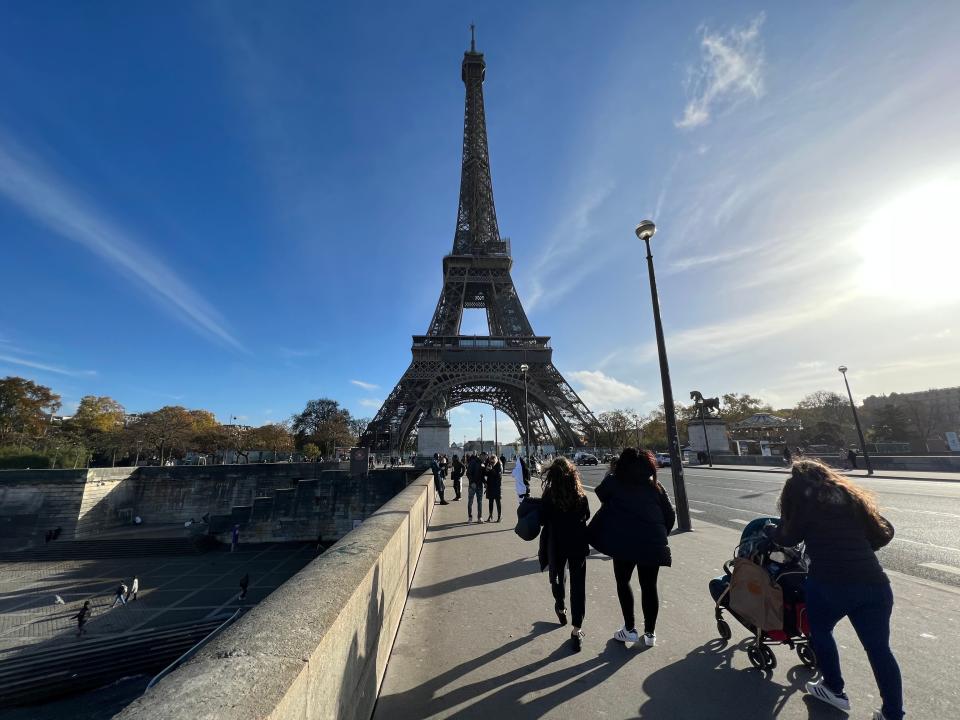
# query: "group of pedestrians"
{"type": "Point", "coordinates": [838, 522]}
{"type": "Point", "coordinates": [484, 477]}
{"type": "Point", "coordinates": [124, 594]}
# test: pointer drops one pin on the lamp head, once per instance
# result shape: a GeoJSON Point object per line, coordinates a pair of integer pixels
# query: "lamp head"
{"type": "Point", "coordinates": [843, 369]}
{"type": "Point", "coordinates": [524, 368]}
{"type": "Point", "coordinates": [645, 229]}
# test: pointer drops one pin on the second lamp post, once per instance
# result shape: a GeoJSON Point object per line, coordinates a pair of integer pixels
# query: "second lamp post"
{"type": "Point", "coordinates": [645, 231]}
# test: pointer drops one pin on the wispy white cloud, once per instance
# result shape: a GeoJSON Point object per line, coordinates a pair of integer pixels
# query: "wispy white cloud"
{"type": "Point", "coordinates": [27, 183]}
{"type": "Point", "coordinates": [565, 246]}
{"type": "Point", "coordinates": [730, 69]}
{"type": "Point", "coordinates": [44, 367]}
{"type": "Point", "coordinates": [364, 385]}
{"type": "Point", "coordinates": [601, 392]}
{"type": "Point", "coordinates": [370, 403]}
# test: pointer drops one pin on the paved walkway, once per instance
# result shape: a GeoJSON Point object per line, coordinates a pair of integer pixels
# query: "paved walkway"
{"type": "Point", "coordinates": [479, 640]}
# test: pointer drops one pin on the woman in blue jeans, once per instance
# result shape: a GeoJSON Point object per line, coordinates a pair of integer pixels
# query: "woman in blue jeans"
{"type": "Point", "coordinates": [842, 529]}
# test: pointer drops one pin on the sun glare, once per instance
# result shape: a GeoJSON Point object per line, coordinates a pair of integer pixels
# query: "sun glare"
{"type": "Point", "coordinates": [911, 247]}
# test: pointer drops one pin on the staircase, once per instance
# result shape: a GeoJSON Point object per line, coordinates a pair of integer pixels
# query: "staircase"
{"type": "Point", "coordinates": [80, 664]}
{"type": "Point", "coordinates": [95, 549]}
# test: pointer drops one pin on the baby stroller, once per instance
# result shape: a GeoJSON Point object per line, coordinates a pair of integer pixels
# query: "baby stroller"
{"type": "Point", "coordinates": [787, 569]}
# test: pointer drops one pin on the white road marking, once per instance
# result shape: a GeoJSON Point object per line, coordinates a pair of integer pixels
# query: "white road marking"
{"type": "Point", "coordinates": [922, 512]}
{"type": "Point", "coordinates": [928, 636]}
{"type": "Point", "coordinates": [698, 512]}
{"type": "Point", "coordinates": [941, 567]}
{"type": "Point", "coordinates": [739, 521]}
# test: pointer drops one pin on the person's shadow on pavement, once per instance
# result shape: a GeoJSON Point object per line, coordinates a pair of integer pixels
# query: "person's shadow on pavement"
{"type": "Point", "coordinates": [706, 686]}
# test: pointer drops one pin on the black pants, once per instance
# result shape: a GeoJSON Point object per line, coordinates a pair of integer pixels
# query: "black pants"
{"type": "Point", "coordinates": [649, 600]}
{"type": "Point", "coordinates": [456, 486]}
{"type": "Point", "coordinates": [438, 485]}
{"type": "Point", "coordinates": [578, 588]}
{"type": "Point", "coordinates": [490, 502]}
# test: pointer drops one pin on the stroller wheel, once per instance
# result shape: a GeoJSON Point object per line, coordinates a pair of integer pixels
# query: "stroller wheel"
{"type": "Point", "coordinates": [724, 629]}
{"type": "Point", "coordinates": [807, 656]}
{"type": "Point", "coordinates": [762, 657]}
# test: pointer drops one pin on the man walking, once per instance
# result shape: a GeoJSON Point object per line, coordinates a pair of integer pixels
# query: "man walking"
{"type": "Point", "coordinates": [119, 599]}
{"type": "Point", "coordinates": [437, 480]}
{"type": "Point", "coordinates": [244, 583]}
{"type": "Point", "coordinates": [852, 458]}
{"type": "Point", "coordinates": [82, 617]}
{"type": "Point", "coordinates": [475, 489]}
{"type": "Point", "coordinates": [234, 538]}
{"type": "Point", "coordinates": [134, 588]}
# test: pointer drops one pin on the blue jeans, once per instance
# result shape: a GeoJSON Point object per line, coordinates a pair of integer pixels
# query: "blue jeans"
{"type": "Point", "coordinates": [869, 608]}
{"type": "Point", "coordinates": [475, 491]}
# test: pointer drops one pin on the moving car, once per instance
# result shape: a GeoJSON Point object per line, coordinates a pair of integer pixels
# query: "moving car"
{"type": "Point", "coordinates": [587, 459]}
{"type": "Point", "coordinates": [663, 459]}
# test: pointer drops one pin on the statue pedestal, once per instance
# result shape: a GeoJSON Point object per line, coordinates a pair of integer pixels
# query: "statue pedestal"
{"type": "Point", "coordinates": [433, 436]}
{"type": "Point", "coordinates": [716, 435]}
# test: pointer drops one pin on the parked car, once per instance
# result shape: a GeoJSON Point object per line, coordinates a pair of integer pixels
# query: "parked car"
{"type": "Point", "coordinates": [587, 459]}
{"type": "Point", "coordinates": [663, 459]}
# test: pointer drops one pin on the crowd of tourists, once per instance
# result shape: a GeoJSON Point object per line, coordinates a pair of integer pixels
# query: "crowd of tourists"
{"type": "Point", "coordinates": [837, 521]}
{"type": "Point", "coordinates": [484, 473]}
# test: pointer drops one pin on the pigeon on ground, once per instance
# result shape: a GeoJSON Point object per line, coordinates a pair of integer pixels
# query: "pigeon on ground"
{"type": "Point", "coordinates": [57, 600]}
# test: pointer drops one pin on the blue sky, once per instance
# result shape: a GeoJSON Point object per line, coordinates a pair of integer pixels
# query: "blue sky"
{"type": "Point", "coordinates": [240, 206]}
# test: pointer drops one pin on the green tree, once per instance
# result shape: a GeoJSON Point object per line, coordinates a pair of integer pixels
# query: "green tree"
{"type": "Point", "coordinates": [826, 418]}
{"type": "Point", "coordinates": [739, 406]}
{"type": "Point", "coordinates": [620, 427]}
{"type": "Point", "coordinates": [168, 430]}
{"type": "Point", "coordinates": [358, 426]}
{"type": "Point", "coordinates": [275, 437]}
{"type": "Point", "coordinates": [311, 451]}
{"type": "Point", "coordinates": [324, 423]}
{"type": "Point", "coordinates": [890, 424]}
{"type": "Point", "coordinates": [98, 415]}
{"type": "Point", "coordinates": [25, 409]}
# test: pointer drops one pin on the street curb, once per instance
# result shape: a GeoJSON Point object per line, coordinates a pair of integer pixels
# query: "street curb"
{"type": "Point", "coordinates": [785, 471]}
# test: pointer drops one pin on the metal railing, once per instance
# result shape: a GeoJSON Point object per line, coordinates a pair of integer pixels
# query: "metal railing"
{"type": "Point", "coordinates": [480, 341]}
{"type": "Point", "coordinates": [194, 650]}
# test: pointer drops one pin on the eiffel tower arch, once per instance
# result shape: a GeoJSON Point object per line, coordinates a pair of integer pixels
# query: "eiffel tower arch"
{"type": "Point", "coordinates": [450, 369]}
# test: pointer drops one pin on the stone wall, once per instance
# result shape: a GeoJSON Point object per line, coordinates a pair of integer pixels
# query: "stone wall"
{"type": "Point", "coordinates": [318, 646]}
{"type": "Point", "coordinates": [282, 501]}
{"type": "Point", "coordinates": [35, 501]}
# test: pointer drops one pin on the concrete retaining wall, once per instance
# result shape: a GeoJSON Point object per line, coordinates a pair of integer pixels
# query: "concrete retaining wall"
{"type": "Point", "coordinates": [282, 501]}
{"type": "Point", "coordinates": [318, 646]}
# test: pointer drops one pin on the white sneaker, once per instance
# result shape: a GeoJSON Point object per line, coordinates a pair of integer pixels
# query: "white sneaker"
{"type": "Point", "coordinates": [822, 692]}
{"type": "Point", "coordinates": [626, 636]}
{"type": "Point", "coordinates": [649, 639]}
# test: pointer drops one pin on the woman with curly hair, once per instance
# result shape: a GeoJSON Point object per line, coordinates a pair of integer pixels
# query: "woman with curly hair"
{"type": "Point", "coordinates": [563, 542]}
{"type": "Point", "coordinates": [842, 528]}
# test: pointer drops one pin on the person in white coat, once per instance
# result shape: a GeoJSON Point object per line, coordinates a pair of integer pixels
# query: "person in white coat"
{"type": "Point", "coordinates": [522, 483]}
{"type": "Point", "coordinates": [134, 588]}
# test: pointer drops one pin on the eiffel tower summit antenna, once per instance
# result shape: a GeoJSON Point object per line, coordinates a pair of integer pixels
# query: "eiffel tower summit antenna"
{"type": "Point", "coordinates": [501, 369]}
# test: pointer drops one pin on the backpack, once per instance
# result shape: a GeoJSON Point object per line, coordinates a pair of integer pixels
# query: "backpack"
{"type": "Point", "coordinates": [754, 596]}
{"type": "Point", "coordinates": [528, 519]}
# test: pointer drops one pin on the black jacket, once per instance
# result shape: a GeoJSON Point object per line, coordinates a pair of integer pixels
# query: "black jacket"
{"type": "Point", "coordinates": [838, 541]}
{"type": "Point", "coordinates": [564, 535]}
{"type": "Point", "coordinates": [633, 522]}
{"type": "Point", "coordinates": [494, 477]}
{"type": "Point", "coordinates": [475, 470]}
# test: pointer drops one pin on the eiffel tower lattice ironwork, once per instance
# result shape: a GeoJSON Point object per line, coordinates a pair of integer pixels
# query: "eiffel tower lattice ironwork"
{"type": "Point", "coordinates": [450, 369]}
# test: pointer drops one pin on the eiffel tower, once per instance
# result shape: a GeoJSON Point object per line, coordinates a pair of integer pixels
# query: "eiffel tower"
{"type": "Point", "coordinates": [450, 369]}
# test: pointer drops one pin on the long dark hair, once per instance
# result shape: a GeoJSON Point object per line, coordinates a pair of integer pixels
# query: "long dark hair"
{"type": "Point", "coordinates": [637, 467]}
{"type": "Point", "coordinates": [813, 485]}
{"type": "Point", "coordinates": [562, 484]}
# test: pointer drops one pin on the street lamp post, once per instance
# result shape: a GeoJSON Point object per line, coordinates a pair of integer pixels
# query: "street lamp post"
{"type": "Point", "coordinates": [496, 437]}
{"type": "Point", "coordinates": [856, 420]}
{"type": "Point", "coordinates": [636, 419]}
{"type": "Point", "coordinates": [481, 434]}
{"type": "Point", "coordinates": [645, 231]}
{"type": "Point", "coordinates": [524, 369]}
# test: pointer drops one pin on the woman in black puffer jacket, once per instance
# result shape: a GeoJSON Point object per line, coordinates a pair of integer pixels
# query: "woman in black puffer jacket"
{"type": "Point", "coordinates": [632, 527]}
